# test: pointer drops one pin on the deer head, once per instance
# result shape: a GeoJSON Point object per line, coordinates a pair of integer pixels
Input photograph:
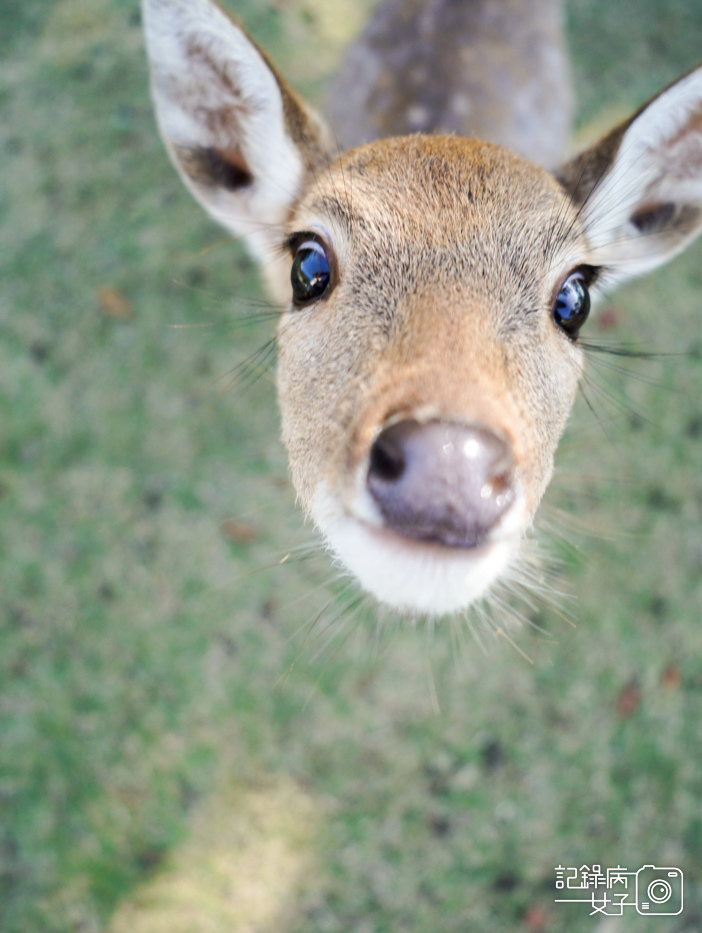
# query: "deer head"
{"type": "Point", "coordinates": [433, 290]}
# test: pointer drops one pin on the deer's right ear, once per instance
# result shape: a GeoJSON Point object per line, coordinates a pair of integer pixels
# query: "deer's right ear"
{"type": "Point", "coordinates": [239, 136]}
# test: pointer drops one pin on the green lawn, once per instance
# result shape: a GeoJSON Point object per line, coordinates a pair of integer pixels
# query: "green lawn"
{"type": "Point", "coordinates": [201, 729]}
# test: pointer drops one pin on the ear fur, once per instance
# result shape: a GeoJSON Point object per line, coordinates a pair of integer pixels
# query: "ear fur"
{"type": "Point", "coordinates": [639, 190]}
{"type": "Point", "coordinates": [240, 138]}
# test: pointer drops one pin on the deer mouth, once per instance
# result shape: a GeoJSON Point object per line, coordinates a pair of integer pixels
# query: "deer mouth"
{"type": "Point", "coordinates": [413, 575]}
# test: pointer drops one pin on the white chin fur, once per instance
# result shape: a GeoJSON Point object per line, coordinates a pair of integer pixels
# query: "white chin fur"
{"type": "Point", "coordinates": [410, 576]}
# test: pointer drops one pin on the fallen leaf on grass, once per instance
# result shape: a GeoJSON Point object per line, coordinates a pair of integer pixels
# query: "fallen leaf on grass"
{"type": "Point", "coordinates": [239, 532]}
{"type": "Point", "coordinates": [628, 699]}
{"type": "Point", "coordinates": [609, 317]}
{"type": "Point", "coordinates": [115, 305]}
{"type": "Point", "coordinates": [536, 919]}
{"type": "Point", "coordinates": [671, 678]}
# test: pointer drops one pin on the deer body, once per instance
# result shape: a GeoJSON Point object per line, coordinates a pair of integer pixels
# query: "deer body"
{"type": "Point", "coordinates": [428, 357]}
{"type": "Point", "coordinates": [485, 69]}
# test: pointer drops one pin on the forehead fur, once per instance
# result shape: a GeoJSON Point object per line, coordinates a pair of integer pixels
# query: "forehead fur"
{"type": "Point", "coordinates": [437, 188]}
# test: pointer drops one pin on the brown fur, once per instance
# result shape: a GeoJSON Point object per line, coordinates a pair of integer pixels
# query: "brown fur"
{"type": "Point", "coordinates": [426, 314]}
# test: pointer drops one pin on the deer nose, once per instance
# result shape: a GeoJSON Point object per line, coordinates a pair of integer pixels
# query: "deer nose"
{"type": "Point", "coordinates": [441, 481]}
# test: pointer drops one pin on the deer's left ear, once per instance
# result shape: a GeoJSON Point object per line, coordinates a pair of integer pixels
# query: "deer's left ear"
{"type": "Point", "coordinates": [639, 190]}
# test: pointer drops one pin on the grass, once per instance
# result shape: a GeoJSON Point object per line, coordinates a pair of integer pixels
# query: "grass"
{"type": "Point", "coordinates": [146, 719]}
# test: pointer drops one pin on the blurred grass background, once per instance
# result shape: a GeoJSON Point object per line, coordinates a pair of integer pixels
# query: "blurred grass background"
{"type": "Point", "coordinates": [156, 773]}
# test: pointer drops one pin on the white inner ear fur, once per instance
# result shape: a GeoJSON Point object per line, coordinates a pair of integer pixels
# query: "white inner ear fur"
{"type": "Point", "coordinates": [659, 161]}
{"type": "Point", "coordinates": [213, 89]}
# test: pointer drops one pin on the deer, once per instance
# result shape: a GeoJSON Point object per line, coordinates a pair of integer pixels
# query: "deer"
{"type": "Point", "coordinates": [433, 287]}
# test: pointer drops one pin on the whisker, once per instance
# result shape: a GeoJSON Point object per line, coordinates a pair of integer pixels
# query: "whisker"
{"type": "Point", "coordinates": [431, 682]}
{"type": "Point", "coordinates": [502, 633]}
{"type": "Point", "coordinates": [309, 626]}
{"type": "Point", "coordinates": [242, 372]}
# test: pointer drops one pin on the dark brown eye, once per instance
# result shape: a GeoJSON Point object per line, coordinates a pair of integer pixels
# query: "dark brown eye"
{"type": "Point", "coordinates": [310, 274]}
{"type": "Point", "coordinates": [572, 304]}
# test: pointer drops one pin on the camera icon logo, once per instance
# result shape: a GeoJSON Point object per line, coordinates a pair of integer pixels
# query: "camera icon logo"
{"type": "Point", "coordinates": [659, 891]}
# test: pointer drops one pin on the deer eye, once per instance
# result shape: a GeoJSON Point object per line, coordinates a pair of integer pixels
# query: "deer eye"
{"type": "Point", "coordinates": [310, 274]}
{"type": "Point", "coordinates": [572, 304]}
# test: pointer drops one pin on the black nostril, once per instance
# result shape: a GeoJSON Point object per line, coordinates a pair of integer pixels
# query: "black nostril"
{"type": "Point", "coordinates": [441, 481]}
{"type": "Point", "coordinates": [387, 461]}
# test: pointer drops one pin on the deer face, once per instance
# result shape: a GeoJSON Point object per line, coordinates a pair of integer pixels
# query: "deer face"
{"type": "Point", "coordinates": [424, 388]}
